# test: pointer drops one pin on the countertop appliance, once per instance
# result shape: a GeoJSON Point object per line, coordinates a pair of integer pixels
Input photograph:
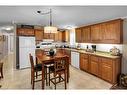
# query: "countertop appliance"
{"type": "Point", "coordinates": [26, 46]}
{"type": "Point", "coordinates": [75, 59]}
{"type": "Point", "coordinates": [93, 48]}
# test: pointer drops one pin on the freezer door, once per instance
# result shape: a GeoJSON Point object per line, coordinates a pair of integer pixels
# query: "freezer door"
{"type": "Point", "coordinates": [26, 41]}
{"type": "Point", "coordinates": [24, 61]}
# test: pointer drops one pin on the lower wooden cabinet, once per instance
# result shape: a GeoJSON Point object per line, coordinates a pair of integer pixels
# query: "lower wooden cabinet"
{"type": "Point", "coordinates": [84, 62]}
{"type": "Point", "coordinates": [106, 68]}
{"type": "Point", "coordinates": [94, 65]}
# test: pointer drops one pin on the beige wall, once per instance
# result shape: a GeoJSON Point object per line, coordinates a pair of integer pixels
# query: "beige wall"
{"type": "Point", "coordinates": [124, 60]}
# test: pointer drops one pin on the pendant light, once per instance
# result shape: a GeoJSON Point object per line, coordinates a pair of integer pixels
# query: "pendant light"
{"type": "Point", "coordinates": [50, 28]}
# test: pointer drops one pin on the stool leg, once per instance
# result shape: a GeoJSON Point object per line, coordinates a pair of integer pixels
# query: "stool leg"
{"type": "Point", "coordinates": [46, 76]}
{"type": "Point", "coordinates": [31, 76]}
{"type": "Point", "coordinates": [55, 81]}
{"type": "Point", "coordinates": [36, 75]}
{"type": "Point", "coordinates": [65, 79]}
{"type": "Point", "coordinates": [49, 77]}
{"type": "Point", "coordinates": [1, 72]}
{"type": "Point", "coordinates": [33, 79]}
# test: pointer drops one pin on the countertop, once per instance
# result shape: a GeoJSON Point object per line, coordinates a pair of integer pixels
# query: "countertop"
{"type": "Point", "coordinates": [97, 53]}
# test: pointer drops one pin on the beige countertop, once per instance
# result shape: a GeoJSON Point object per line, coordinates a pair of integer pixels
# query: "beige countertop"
{"type": "Point", "coordinates": [97, 53]}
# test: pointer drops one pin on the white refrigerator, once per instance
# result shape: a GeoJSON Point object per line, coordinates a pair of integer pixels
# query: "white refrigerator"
{"type": "Point", "coordinates": [26, 46]}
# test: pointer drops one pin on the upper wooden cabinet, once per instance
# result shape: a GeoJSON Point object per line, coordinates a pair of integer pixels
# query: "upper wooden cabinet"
{"type": "Point", "coordinates": [67, 36]}
{"type": "Point", "coordinates": [78, 34]}
{"type": "Point", "coordinates": [96, 33]}
{"type": "Point", "coordinates": [25, 32]}
{"type": "Point", "coordinates": [49, 36]}
{"type": "Point", "coordinates": [110, 32]}
{"type": "Point", "coordinates": [38, 35]}
{"type": "Point", "coordinates": [86, 34]}
{"type": "Point", "coordinates": [60, 36]}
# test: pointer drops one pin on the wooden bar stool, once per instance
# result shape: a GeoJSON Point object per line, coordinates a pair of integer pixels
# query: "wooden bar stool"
{"type": "Point", "coordinates": [34, 71]}
{"type": "Point", "coordinates": [1, 69]}
{"type": "Point", "coordinates": [59, 69]}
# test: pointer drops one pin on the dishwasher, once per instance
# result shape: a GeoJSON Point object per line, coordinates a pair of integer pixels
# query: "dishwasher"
{"type": "Point", "coordinates": [75, 59]}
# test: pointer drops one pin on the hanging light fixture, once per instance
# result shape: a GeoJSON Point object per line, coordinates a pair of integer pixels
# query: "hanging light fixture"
{"type": "Point", "coordinates": [50, 28]}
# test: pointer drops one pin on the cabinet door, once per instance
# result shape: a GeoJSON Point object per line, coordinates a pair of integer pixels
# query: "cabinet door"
{"type": "Point", "coordinates": [96, 34]}
{"type": "Point", "coordinates": [67, 36]}
{"type": "Point", "coordinates": [39, 35]}
{"type": "Point", "coordinates": [111, 31]}
{"type": "Point", "coordinates": [46, 35]}
{"type": "Point", "coordinates": [56, 36]}
{"type": "Point", "coordinates": [60, 36]}
{"type": "Point", "coordinates": [86, 34]}
{"type": "Point", "coordinates": [29, 32]}
{"type": "Point", "coordinates": [78, 35]}
{"type": "Point", "coordinates": [25, 32]}
{"type": "Point", "coordinates": [20, 31]}
{"type": "Point", "coordinates": [94, 65]}
{"type": "Point", "coordinates": [52, 36]}
{"type": "Point", "coordinates": [84, 62]}
{"type": "Point", "coordinates": [107, 69]}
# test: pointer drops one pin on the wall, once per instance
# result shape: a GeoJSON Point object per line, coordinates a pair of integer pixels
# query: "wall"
{"type": "Point", "coordinates": [3, 46]}
{"type": "Point", "coordinates": [124, 60]}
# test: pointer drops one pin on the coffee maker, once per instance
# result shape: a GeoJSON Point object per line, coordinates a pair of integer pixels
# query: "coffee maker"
{"type": "Point", "coordinates": [93, 48]}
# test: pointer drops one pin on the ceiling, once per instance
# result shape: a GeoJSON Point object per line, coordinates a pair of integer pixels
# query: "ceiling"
{"type": "Point", "coordinates": [63, 16]}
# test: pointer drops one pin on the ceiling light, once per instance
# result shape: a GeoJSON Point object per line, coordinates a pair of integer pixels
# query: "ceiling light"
{"type": "Point", "coordinates": [8, 28]}
{"type": "Point", "coordinates": [50, 28]}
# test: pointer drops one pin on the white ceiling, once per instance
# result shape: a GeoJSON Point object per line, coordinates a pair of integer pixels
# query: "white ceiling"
{"type": "Point", "coordinates": [63, 16]}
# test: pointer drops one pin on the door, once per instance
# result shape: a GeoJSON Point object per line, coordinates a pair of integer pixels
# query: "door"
{"type": "Point", "coordinates": [96, 33]}
{"type": "Point", "coordinates": [39, 35]}
{"type": "Point", "coordinates": [111, 32]}
{"type": "Point", "coordinates": [106, 69]}
{"type": "Point", "coordinates": [75, 59]}
{"type": "Point", "coordinates": [94, 65]}
{"type": "Point", "coordinates": [78, 35]}
{"type": "Point", "coordinates": [86, 34]}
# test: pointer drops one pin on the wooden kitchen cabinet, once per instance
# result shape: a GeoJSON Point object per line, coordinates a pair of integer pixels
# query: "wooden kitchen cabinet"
{"type": "Point", "coordinates": [94, 64]}
{"type": "Point", "coordinates": [84, 62]}
{"type": "Point", "coordinates": [106, 69]}
{"type": "Point", "coordinates": [25, 32]}
{"type": "Point", "coordinates": [38, 35]}
{"type": "Point", "coordinates": [96, 33]}
{"type": "Point", "coordinates": [49, 36]}
{"type": "Point", "coordinates": [86, 34]}
{"type": "Point", "coordinates": [59, 36]}
{"type": "Point", "coordinates": [112, 31]}
{"type": "Point", "coordinates": [78, 35]}
{"type": "Point", "coordinates": [67, 36]}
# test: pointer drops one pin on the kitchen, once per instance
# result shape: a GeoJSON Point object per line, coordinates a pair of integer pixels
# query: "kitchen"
{"type": "Point", "coordinates": [97, 48]}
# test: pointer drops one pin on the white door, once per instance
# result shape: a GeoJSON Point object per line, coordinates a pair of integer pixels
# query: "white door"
{"type": "Point", "coordinates": [75, 59]}
{"type": "Point", "coordinates": [24, 58]}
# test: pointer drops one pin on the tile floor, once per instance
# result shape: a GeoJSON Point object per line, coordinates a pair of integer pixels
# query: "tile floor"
{"type": "Point", "coordinates": [20, 79]}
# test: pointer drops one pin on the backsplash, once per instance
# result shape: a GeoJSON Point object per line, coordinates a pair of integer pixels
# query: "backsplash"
{"type": "Point", "coordinates": [101, 47]}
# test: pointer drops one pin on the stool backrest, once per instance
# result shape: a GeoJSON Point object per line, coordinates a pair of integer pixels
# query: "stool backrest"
{"type": "Point", "coordinates": [31, 61]}
{"type": "Point", "coordinates": [60, 63]}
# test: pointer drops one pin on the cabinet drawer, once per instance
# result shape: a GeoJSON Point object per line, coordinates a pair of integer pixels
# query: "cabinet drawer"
{"type": "Point", "coordinates": [95, 58]}
{"type": "Point", "coordinates": [84, 56]}
{"type": "Point", "coordinates": [107, 61]}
